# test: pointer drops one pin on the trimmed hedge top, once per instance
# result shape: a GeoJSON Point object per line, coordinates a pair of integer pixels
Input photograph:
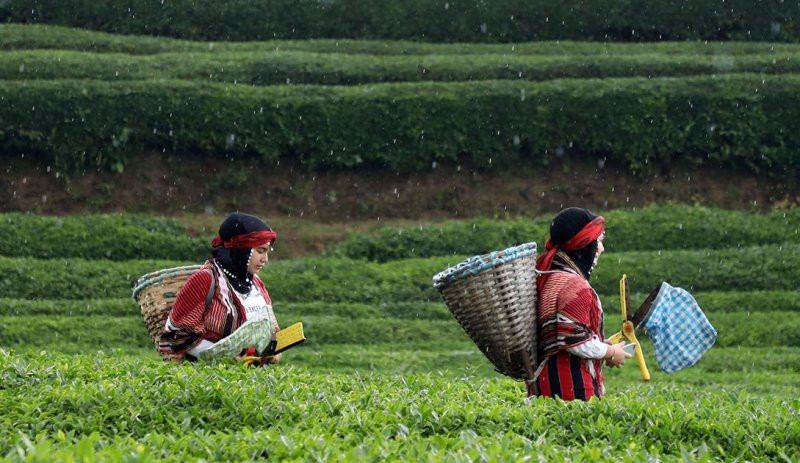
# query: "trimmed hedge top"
{"type": "Point", "coordinates": [113, 237]}
{"type": "Point", "coordinates": [745, 121]}
{"type": "Point", "coordinates": [653, 228]}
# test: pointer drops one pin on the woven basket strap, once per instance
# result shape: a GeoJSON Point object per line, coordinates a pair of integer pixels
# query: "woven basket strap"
{"type": "Point", "coordinates": [211, 288]}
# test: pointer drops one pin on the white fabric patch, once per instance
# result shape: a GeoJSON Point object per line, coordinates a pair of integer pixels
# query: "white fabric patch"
{"type": "Point", "coordinates": [255, 306]}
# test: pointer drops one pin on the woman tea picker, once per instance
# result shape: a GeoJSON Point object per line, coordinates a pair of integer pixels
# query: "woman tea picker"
{"type": "Point", "coordinates": [240, 251]}
{"type": "Point", "coordinates": [569, 315]}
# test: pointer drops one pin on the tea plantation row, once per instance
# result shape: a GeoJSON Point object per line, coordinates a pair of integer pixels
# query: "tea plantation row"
{"type": "Point", "coordinates": [650, 228]}
{"type": "Point", "coordinates": [52, 37]}
{"type": "Point", "coordinates": [775, 267]}
{"type": "Point", "coordinates": [653, 228]}
{"type": "Point", "coordinates": [742, 121]}
{"type": "Point", "coordinates": [713, 301]}
{"type": "Point", "coordinates": [281, 67]}
{"type": "Point", "coordinates": [82, 333]}
{"type": "Point", "coordinates": [109, 408]}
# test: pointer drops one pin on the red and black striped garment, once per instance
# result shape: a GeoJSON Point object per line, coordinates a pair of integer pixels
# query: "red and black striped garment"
{"type": "Point", "coordinates": [189, 322]}
{"type": "Point", "coordinates": [568, 314]}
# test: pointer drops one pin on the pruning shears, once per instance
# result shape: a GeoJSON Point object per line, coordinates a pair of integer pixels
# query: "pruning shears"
{"type": "Point", "coordinates": [630, 322]}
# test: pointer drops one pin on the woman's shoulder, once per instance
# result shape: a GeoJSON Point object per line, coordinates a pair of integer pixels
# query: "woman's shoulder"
{"type": "Point", "coordinates": [566, 278]}
{"type": "Point", "coordinates": [200, 278]}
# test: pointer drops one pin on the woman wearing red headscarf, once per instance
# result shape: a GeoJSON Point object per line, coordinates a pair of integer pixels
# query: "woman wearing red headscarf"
{"type": "Point", "coordinates": [225, 292]}
{"type": "Point", "coordinates": [569, 314]}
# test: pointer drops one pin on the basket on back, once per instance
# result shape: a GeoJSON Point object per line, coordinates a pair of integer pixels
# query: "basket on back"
{"type": "Point", "coordinates": [493, 298]}
{"type": "Point", "coordinates": [156, 293]}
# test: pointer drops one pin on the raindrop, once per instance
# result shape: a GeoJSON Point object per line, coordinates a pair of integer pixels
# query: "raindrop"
{"type": "Point", "coordinates": [515, 139]}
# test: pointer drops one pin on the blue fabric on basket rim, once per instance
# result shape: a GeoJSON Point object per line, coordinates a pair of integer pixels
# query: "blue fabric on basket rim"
{"type": "Point", "coordinates": [679, 329]}
{"type": "Point", "coordinates": [476, 264]}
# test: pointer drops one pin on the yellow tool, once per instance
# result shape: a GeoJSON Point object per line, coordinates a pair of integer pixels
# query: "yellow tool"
{"type": "Point", "coordinates": [284, 339]}
{"type": "Point", "coordinates": [632, 321]}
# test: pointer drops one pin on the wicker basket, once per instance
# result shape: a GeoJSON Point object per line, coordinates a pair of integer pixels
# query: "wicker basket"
{"type": "Point", "coordinates": [493, 298]}
{"type": "Point", "coordinates": [156, 293]}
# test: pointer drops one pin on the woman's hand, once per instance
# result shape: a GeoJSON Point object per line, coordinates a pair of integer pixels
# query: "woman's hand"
{"type": "Point", "coordinates": [273, 359]}
{"type": "Point", "coordinates": [616, 355]}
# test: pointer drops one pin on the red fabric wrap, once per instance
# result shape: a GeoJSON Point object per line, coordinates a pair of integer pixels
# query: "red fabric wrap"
{"type": "Point", "coordinates": [246, 240]}
{"type": "Point", "coordinates": [583, 238]}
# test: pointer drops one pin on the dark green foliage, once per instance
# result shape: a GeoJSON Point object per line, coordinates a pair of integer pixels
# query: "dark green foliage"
{"type": "Point", "coordinates": [742, 121]}
{"type": "Point", "coordinates": [651, 228]}
{"type": "Point", "coordinates": [423, 20]}
{"type": "Point", "coordinates": [113, 237]}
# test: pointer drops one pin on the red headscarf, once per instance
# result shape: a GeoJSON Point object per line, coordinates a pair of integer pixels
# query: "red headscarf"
{"type": "Point", "coordinates": [246, 240]}
{"type": "Point", "coordinates": [590, 232]}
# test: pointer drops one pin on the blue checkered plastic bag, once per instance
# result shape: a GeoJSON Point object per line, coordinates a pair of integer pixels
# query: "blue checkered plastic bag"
{"type": "Point", "coordinates": [679, 329]}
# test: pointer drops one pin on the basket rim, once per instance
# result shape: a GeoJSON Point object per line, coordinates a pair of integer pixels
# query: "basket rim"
{"type": "Point", "coordinates": [158, 276]}
{"type": "Point", "coordinates": [480, 263]}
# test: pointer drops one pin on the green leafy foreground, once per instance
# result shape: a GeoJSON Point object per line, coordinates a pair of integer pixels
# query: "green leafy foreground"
{"type": "Point", "coordinates": [103, 407]}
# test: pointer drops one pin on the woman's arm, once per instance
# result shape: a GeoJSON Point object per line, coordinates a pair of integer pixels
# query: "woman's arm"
{"type": "Point", "coordinates": [594, 348]}
{"type": "Point", "coordinates": [185, 327]}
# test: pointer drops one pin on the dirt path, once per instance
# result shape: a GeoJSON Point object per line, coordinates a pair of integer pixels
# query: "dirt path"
{"type": "Point", "coordinates": [179, 185]}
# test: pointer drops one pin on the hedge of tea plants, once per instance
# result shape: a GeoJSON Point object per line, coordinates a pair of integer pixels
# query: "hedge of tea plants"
{"type": "Point", "coordinates": [75, 100]}
{"type": "Point", "coordinates": [743, 121]}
